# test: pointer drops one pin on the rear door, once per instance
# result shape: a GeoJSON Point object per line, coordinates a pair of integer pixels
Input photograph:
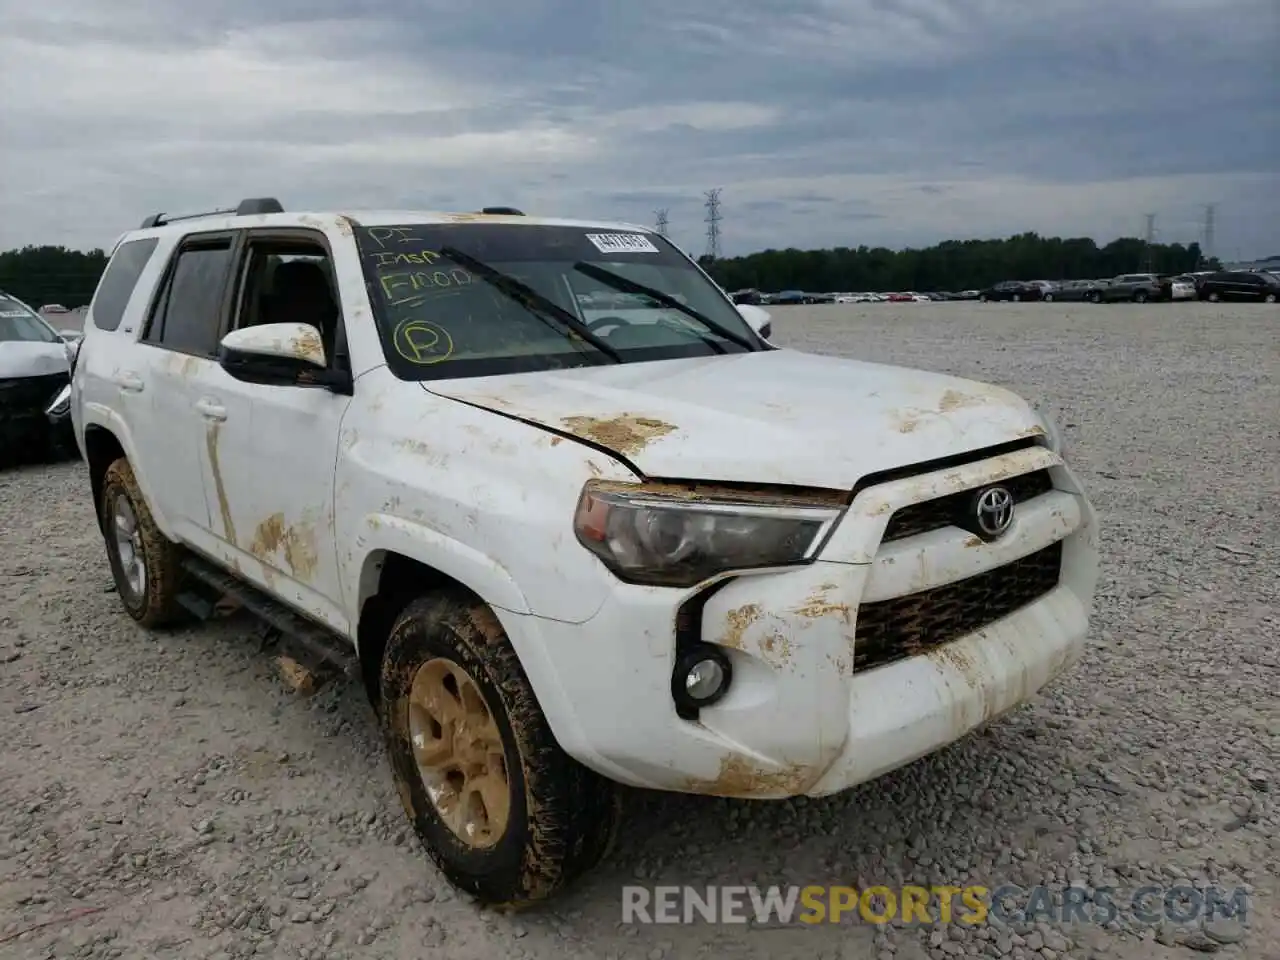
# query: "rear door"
{"type": "Point", "coordinates": [181, 338]}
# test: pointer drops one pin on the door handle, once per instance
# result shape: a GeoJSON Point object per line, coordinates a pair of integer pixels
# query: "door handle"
{"type": "Point", "coordinates": [130, 382]}
{"type": "Point", "coordinates": [211, 409]}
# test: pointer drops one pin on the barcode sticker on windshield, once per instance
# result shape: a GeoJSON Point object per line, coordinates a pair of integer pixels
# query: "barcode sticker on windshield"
{"type": "Point", "coordinates": [622, 243]}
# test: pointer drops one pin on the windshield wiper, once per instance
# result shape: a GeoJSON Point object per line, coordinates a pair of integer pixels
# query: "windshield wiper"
{"type": "Point", "coordinates": [529, 298]}
{"type": "Point", "coordinates": [627, 285]}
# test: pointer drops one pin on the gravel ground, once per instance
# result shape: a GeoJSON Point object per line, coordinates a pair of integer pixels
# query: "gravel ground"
{"type": "Point", "coordinates": [171, 784]}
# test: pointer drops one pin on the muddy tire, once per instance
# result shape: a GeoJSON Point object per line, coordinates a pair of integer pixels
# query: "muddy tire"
{"type": "Point", "coordinates": [514, 819]}
{"type": "Point", "coordinates": [145, 563]}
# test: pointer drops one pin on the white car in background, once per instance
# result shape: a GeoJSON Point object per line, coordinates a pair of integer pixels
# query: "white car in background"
{"type": "Point", "coordinates": [1182, 288]}
{"type": "Point", "coordinates": [35, 377]}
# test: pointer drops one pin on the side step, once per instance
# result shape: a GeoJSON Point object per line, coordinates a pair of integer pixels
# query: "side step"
{"type": "Point", "coordinates": [308, 644]}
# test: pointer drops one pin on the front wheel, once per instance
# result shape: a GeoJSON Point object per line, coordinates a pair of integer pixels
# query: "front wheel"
{"type": "Point", "coordinates": [1214, 298]}
{"type": "Point", "coordinates": [1269, 298]}
{"type": "Point", "coordinates": [501, 809]}
{"type": "Point", "coordinates": [145, 564]}
{"type": "Point", "coordinates": [1140, 297]}
{"type": "Point", "coordinates": [1048, 298]}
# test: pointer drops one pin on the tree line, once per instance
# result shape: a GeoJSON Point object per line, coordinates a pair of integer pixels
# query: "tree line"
{"type": "Point", "coordinates": [40, 275]}
{"type": "Point", "coordinates": [952, 265]}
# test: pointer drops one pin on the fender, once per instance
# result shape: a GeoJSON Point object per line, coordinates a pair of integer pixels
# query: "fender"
{"type": "Point", "coordinates": [104, 418]}
{"type": "Point", "coordinates": [382, 532]}
{"type": "Point", "coordinates": [483, 577]}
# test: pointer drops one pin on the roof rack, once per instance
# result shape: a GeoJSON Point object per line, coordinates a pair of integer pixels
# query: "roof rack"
{"type": "Point", "coordinates": [503, 211]}
{"type": "Point", "coordinates": [245, 208]}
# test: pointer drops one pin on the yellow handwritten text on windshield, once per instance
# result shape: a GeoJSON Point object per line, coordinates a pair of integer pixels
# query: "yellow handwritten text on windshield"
{"type": "Point", "coordinates": [414, 287]}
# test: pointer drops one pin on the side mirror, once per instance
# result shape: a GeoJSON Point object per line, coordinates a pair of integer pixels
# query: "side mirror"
{"type": "Point", "coordinates": [280, 354]}
{"type": "Point", "coordinates": [757, 318]}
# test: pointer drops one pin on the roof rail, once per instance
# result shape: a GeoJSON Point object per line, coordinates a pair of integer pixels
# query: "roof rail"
{"type": "Point", "coordinates": [244, 208]}
{"type": "Point", "coordinates": [503, 211]}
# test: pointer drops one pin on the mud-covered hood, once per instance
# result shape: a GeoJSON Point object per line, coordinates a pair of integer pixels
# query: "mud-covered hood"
{"type": "Point", "coordinates": [779, 416]}
{"type": "Point", "coordinates": [23, 358]}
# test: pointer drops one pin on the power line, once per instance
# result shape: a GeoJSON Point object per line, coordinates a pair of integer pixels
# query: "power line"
{"type": "Point", "coordinates": [662, 221]}
{"type": "Point", "coordinates": [713, 223]}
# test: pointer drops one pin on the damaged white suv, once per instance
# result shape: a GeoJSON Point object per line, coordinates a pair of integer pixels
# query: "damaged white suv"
{"type": "Point", "coordinates": [569, 517]}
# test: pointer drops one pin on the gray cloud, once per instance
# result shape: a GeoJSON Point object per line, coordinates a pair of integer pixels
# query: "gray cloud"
{"type": "Point", "coordinates": [892, 122]}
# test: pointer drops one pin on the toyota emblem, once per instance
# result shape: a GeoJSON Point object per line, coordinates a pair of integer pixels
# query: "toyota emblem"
{"type": "Point", "coordinates": [994, 511]}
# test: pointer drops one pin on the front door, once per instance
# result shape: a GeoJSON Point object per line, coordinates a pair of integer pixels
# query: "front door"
{"type": "Point", "coordinates": [271, 452]}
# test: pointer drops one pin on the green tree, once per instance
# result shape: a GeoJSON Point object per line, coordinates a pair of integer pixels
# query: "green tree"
{"type": "Point", "coordinates": [40, 275]}
{"type": "Point", "coordinates": [950, 265]}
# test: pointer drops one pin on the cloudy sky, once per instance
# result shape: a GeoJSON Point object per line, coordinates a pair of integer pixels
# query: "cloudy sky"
{"type": "Point", "coordinates": [894, 122]}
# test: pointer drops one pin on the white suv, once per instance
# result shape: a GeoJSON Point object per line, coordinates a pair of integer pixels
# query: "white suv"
{"type": "Point", "coordinates": [562, 547]}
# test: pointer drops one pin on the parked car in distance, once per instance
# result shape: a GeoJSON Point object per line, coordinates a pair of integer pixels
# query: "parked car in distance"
{"type": "Point", "coordinates": [749, 296]}
{"type": "Point", "coordinates": [1240, 285]}
{"type": "Point", "coordinates": [1011, 290]}
{"type": "Point", "coordinates": [1183, 287]}
{"type": "Point", "coordinates": [1133, 287]}
{"type": "Point", "coordinates": [35, 377]}
{"type": "Point", "coordinates": [791, 297]}
{"type": "Point", "coordinates": [1071, 290]}
{"type": "Point", "coordinates": [559, 551]}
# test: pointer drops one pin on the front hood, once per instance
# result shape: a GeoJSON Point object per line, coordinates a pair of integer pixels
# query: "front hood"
{"type": "Point", "coordinates": [775, 417]}
{"type": "Point", "coordinates": [22, 358]}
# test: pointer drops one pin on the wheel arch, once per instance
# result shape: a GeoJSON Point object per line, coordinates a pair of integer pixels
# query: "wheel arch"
{"type": "Point", "coordinates": [392, 576]}
{"type": "Point", "coordinates": [102, 448]}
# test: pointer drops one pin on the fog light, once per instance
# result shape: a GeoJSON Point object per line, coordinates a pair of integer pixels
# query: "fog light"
{"type": "Point", "coordinates": [705, 680]}
{"type": "Point", "coordinates": [702, 677]}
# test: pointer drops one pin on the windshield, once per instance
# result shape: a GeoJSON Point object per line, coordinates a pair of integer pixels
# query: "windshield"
{"type": "Point", "coordinates": [526, 297]}
{"type": "Point", "coordinates": [20, 322]}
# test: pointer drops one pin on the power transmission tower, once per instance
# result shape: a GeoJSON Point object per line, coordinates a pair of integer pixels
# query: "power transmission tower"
{"type": "Point", "coordinates": [662, 221]}
{"type": "Point", "coordinates": [1206, 250]}
{"type": "Point", "coordinates": [713, 223]}
{"type": "Point", "coordinates": [1149, 236]}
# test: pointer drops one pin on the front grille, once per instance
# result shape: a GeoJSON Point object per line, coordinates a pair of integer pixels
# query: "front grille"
{"type": "Point", "coordinates": [890, 630]}
{"type": "Point", "coordinates": [27, 394]}
{"type": "Point", "coordinates": [939, 512]}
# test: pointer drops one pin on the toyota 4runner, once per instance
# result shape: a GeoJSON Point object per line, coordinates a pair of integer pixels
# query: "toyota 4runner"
{"type": "Point", "coordinates": [567, 516]}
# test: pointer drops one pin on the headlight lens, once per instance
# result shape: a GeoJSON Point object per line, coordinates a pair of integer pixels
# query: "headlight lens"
{"type": "Point", "coordinates": [61, 402]}
{"type": "Point", "coordinates": [675, 539]}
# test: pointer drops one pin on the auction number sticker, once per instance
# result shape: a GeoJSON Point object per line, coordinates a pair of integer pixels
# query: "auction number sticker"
{"type": "Point", "coordinates": [622, 243]}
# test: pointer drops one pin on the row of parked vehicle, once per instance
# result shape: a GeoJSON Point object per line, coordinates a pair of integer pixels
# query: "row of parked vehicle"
{"type": "Point", "coordinates": [1236, 285]}
{"type": "Point", "coordinates": [1214, 286]}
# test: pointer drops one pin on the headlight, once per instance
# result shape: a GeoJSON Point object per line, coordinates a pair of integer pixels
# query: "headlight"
{"type": "Point", "coordinates": [61, 403]}
{"type": "Point", "coordinates": [1051, 432]}
{"type": "Point", "coordinates": [678, 540]}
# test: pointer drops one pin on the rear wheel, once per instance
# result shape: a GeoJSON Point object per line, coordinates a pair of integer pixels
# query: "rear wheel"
{"type": "Point", "coordinates": [1269, 298]}
{"type": "Point", "coordinates": [1095, 297]}
{"type": "Point", "coordinates": [1140, 297]}
{"type": "Point", "coordinates": [501, 809]}
{"type": "Point", "coordinates": [1214, 297]}
{"type": "Point", "coordinates": [1048, 298]}
{"type": "Point", "coordinates": [145, 564]}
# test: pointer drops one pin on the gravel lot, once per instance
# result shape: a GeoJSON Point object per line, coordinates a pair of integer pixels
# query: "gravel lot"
{"type": "Point", "coordinates": [171, 783]}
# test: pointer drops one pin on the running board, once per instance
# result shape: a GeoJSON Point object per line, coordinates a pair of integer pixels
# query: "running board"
{"type": "Point", "coordinates": [312, 646]}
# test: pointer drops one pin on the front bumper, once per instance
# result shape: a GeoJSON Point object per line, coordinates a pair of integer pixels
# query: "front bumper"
{"type": "Point", "coordinates": [803, 715]}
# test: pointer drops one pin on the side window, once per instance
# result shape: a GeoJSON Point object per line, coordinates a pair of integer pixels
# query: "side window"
{"type": "Point", "coordinates": [117, 283]}
{"type": "Point", "coordinates": [288, 280]}
{"type": "Point", "coordinates": [187, 316]}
